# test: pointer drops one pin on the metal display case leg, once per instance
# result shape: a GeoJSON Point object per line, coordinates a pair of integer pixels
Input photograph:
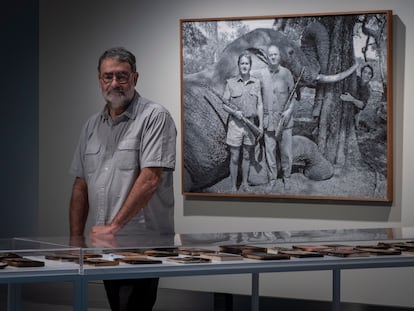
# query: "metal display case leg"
{"type": "Point", "coordinates": [80, 295]}
{"type": "Point", "coordinates": [336, 290]}
{"type": "Point", "coordinates": [255, 292]}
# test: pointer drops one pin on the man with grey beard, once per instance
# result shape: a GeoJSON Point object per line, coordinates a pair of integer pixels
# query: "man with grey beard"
{"type": "Point", "coordinates": [123, 169]}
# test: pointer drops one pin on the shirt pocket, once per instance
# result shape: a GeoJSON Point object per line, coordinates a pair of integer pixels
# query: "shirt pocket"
{"type": "Point", "coordinates": [128, 151]}
{"type": "Point", "coordinates": [92, 158]}
{"type": "Point", "coordinates": [236, 92]}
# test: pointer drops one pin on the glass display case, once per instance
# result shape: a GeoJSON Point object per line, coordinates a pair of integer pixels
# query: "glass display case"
{"type": "Point", "coordinates": [25, 260]}
{"type": "Point", "coordinates": [38, 259]}
{"type": "Point", "coordinates": [20, 257]}
{"type": "Point", "coordinates": [114, 254]}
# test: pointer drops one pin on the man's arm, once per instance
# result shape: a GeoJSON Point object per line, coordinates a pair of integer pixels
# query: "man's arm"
{"type": "Point", "coordinates": [290, 104]}
{"type": "Point", "coordinates": [79, 207]}
{"type": "Point", "coordinates": [141, 192]}
{"type": "Point", "coordinates": [291, 90]}
{"type": "Point", "coordinates": [360, 104]}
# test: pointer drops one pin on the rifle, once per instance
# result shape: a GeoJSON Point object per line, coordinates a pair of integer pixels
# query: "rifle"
{"type": "Point", "coordinates": [281, 124]}
{"type": "Point", "coordinates": [255, 130]}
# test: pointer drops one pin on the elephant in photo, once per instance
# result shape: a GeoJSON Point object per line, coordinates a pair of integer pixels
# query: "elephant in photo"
{"type": "Point", "coordinates": [206, 156]}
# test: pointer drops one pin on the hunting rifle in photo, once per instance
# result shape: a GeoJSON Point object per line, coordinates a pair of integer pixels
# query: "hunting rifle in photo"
{"type": "Point", "coordinates": [255, 129]}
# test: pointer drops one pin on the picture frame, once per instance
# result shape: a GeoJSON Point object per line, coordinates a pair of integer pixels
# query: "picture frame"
{"type": "Point", "coordinates": [325, 101]}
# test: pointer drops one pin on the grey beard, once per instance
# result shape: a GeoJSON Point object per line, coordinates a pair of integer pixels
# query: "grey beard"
{"type": "Point", "coordinates": [119, 100]}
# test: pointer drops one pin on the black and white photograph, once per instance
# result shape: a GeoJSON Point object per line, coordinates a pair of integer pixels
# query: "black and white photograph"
{"type": "Point", "coordinates": [291, 107]}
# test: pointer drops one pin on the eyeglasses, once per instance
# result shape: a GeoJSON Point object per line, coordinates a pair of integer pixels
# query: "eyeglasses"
{"type": "Point", "coordinates": [121, 77]}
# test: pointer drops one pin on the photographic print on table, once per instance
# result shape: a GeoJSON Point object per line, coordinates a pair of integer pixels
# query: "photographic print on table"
{"type": "Point", "coordinates": [296, 106]}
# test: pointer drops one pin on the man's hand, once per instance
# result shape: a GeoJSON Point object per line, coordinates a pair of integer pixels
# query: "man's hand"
{"type": "Point", "coordinates": [238, 114]}
{"type": "Point", "coordinates": [77, 241]}
{"type": "Point", "coordinates": [285, 117]}
{"type": "Point", "coordinates": [103, 235]}
{"type": "Point", "coordinates": [347, 97]}
{"type": "Point", "coordinates": [104, 229]}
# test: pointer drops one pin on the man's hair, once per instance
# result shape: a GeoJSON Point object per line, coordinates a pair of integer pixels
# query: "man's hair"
{"type": "Point", "coordinates": [120, 54]}
{"type": "Point", "coordinates": [272, 45]}
{"type": "Point", "coordinates": [370, 67]}
{"type": "Point", "coordinates": [245, 54]}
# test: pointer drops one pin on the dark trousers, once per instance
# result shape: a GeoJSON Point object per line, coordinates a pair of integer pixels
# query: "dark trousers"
{"type": "Point", "coordinates": [131, 294]}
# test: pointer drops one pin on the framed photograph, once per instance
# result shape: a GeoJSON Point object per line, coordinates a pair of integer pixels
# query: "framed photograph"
{"type": "Point", "coordinates": [291, 107]}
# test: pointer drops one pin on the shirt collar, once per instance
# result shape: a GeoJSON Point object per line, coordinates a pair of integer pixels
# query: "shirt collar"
{"type": "Point", "coordinates": [240, 79]}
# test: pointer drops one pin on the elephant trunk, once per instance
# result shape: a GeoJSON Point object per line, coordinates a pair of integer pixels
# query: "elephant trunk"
{"type": "Point", "coordinates": [315, 45]}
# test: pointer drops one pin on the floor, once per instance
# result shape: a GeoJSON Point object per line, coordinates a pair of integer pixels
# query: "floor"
{"type": "Point", "coordinates": [58, 297]}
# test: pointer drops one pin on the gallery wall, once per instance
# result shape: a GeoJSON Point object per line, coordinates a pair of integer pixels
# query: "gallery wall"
{"type": "Point", "coordinates": [73, 34]}
{"type": "Point", "coordinates": [19, 57]}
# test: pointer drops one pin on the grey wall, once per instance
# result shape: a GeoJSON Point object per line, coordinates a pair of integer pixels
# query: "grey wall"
{"type": "Point", "coordinates": [19, 58]}
{"type": "Point", "coordinates": [72, 36]}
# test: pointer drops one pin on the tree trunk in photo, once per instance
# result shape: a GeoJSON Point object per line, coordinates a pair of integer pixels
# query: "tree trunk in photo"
{"type": "Point", "coordinates": [212, 34]}
{"type": "Point", "coordinates": [336, 134]}
{"type": "Point", "coordinates": [374, 26]}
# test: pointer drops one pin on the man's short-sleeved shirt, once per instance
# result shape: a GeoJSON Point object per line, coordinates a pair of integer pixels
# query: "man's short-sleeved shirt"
{"type": "Point", "coordinates": [111, 154]}
{"type": "Point", "coordinates": [243, 95]}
